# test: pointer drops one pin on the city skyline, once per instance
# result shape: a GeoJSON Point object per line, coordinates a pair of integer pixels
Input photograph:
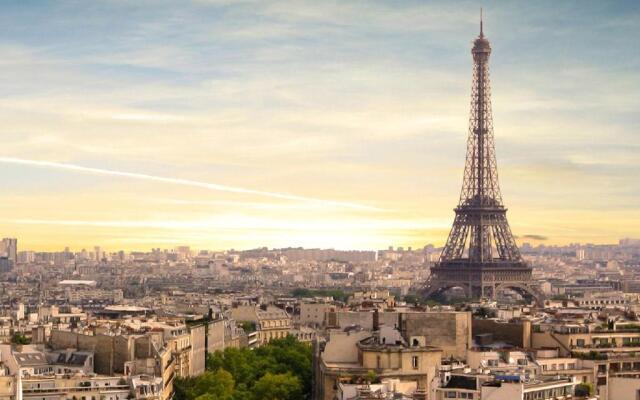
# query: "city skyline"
{"type": "Point", "coordinates": [320, 125]}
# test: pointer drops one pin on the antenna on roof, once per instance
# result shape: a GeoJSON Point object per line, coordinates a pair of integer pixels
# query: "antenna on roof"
{"type": "Point", "coordinates": [481, 33]}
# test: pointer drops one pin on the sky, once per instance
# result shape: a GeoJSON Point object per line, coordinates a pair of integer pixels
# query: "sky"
{"type": "Point", "coordinates": [240, 124]}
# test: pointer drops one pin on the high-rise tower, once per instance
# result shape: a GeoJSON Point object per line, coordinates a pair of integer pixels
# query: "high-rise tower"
{"type": "Point", "coordinates": [481, 255]}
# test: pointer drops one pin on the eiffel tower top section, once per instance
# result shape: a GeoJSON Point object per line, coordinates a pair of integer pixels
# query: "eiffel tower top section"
{"type": "Point", "coordinates": [480, 184]}
{"type": "Point", "coordinates": [480, 232]}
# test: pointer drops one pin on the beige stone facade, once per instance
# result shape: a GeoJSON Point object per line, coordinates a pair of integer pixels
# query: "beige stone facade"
{"type": "Point", "coordinates": [356, 356]}
{"type": "Point", "coordinates": [271, 322]}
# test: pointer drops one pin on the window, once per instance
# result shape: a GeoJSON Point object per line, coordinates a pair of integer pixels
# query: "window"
{"type": "Point", "coordinates": [450, 395]}
{"type": "Point", "coordinates": [414, 362]}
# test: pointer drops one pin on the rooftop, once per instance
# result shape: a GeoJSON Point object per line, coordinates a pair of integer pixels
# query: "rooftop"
{"type": "Point", "coordinates": [30, 359]}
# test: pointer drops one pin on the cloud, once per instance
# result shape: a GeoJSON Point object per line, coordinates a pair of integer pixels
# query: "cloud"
{"type": "Point", "coordinates": [184, 182]}
{"type": "Point", "coordinates": [535, 237]}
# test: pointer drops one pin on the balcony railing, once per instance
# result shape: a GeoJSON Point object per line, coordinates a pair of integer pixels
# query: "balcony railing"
{"type": "Point", "coordinates": [75, 389]}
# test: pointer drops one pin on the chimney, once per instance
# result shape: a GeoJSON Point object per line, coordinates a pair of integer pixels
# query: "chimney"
{"type": "Point", "coordinates": [376, 320]}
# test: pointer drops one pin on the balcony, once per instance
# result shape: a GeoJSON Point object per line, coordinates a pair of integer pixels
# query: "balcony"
{"type": "Point", "coordinates": [75, 389]}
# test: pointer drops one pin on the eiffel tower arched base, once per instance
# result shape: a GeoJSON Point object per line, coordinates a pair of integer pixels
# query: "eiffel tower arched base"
{"type": "Point", "coordinates": [479, 281]}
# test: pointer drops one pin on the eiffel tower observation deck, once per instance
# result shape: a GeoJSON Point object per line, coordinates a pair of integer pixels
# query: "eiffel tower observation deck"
{"type": "Point", "coordinates": [481, 256]}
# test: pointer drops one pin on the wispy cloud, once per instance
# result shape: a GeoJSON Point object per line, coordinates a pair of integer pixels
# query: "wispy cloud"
{"type": "Point", "coordinates": [535, 237]}
{"type": "Point", "coordinates": [184, 182]}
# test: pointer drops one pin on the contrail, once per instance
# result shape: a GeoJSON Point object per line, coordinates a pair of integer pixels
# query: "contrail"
{"type": "Point", "coordinates": [183, 182]}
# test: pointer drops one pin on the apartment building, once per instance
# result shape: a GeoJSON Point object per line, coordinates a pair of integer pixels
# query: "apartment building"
{"type": "Point", "coordinates": [271, 322]}
{"type": "Point", "coordinates": [356, 356]}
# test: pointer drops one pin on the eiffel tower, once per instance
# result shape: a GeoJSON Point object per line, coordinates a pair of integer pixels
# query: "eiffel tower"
{"type": "Point", "coordinates": [481, 256]}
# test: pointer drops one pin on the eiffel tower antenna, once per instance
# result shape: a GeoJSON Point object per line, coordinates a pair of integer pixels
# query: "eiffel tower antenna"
{"type": "Point", "coordinates": [481, 255]}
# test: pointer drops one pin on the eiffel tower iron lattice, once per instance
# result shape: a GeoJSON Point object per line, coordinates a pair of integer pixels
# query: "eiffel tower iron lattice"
{"type": "Point", "coordinates": [481, 255]}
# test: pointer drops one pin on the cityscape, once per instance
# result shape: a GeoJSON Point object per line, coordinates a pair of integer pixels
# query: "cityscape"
{"type": "Point", "coordinates": [244, 201]}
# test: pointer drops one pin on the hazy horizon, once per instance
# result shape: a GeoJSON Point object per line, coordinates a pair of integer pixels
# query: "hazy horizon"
{"type": "Point", "coordinates": [196, 249]}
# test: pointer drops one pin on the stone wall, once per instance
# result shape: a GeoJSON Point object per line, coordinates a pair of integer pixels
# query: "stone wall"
{"type": "Point", "coordinates": [122, 350]}
{"type": "Point", "coordinates": [110, 352]}
{"type": "Point", "coordinates": [448, 330]}
{"type": "Point", "coordinates": [198, 350]}
{"type": "Point", "coordinates": [344, 319]}
{"type": "Point", "coordinates": [215, 336]}
{"type": "Point", "coordinates": [511, 332]}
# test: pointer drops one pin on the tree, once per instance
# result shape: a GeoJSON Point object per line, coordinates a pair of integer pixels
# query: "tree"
{"type": "Point", "coordinates": [218, 385]}
{"type": "Point", "coordinates": [206, 396]}
{"type": "Point", "coordinates": [241, 363]}
{"type": "Point", "coordinates": [372, 377]}
{"type": "Point", "coordinates": [246, 374]}
{"type": "Point", "coordinates": [584, 389]}
{"type": "Point", "coordinates": [301, 292]}
{"type": "Point", "coordinates": [411, 299]}
{"type": "Point", "coordinates": [19, 338]}
{"type": "Point", "coordinates": [484, 313]}
{"type": "Point", "coordinates": [277, 387]}
{"type": "Point", "coordinates": [337, 294]}
{"type": "Point", "coordinates": [248, 326]}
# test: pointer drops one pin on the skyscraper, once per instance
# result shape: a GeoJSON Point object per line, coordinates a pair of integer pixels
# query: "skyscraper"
{"type": "Point", "coordinates": [10, 249]}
